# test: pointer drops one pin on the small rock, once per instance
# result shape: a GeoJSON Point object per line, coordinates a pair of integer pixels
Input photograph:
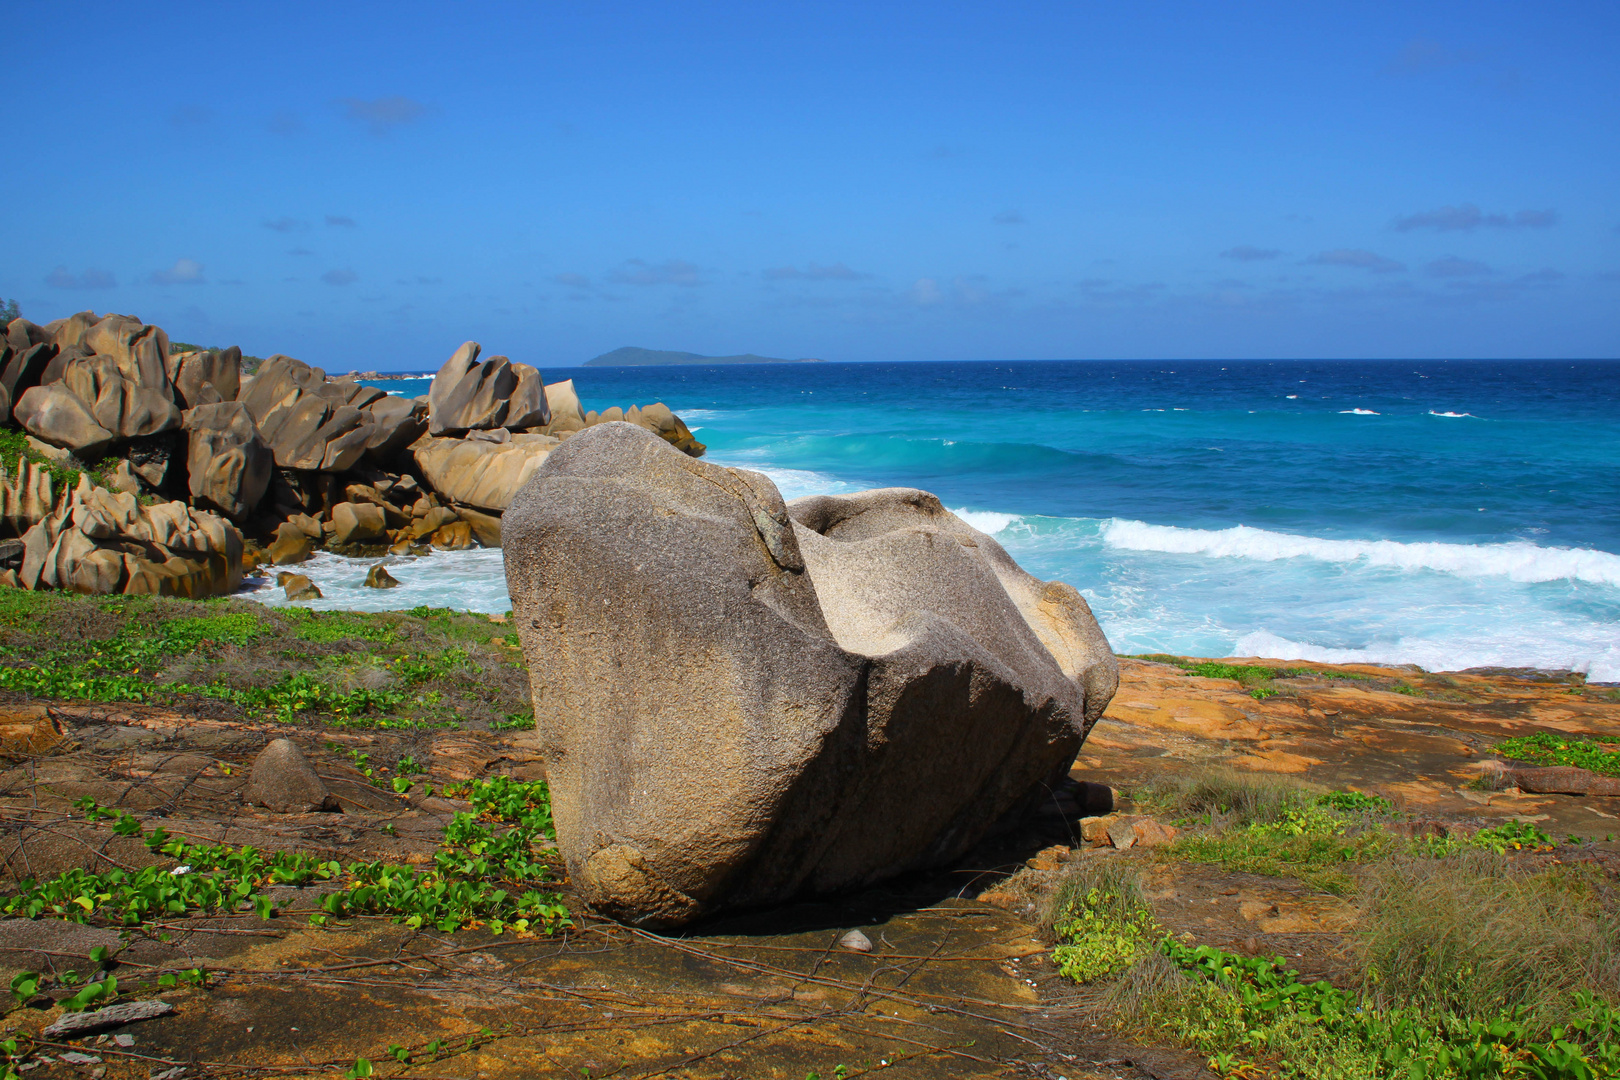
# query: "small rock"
{"type": "Point", "coordinates": [125, 1041]}
{"type": "Point", "coordinates": [378, 577]}
{"type": "Point", "coordinates": [299, 587]}
{"type": "Point", "coordinates": [1094, 831]}
{"type": "Point", "coordinates": [1051, 858]}
{"type": "Point", "coordinates": [73, 1057]}
{"type": "Point", "coordinates": [283, 781]}
{"type": "Point", "coordinates": [1122, 834]}
{"type": "Point", "coordinates": [1150, 833]}
{"type": "Point", "coordinates": [291, 545]}
{"type": "Point", "coordinates": [855, 941]}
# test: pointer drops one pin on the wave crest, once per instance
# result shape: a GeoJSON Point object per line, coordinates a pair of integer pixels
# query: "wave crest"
{"type": "Point", "coordinates": [1523, 562]}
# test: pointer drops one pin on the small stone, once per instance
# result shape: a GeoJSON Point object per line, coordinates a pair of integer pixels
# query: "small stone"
{"type": "Point", "coordinates": [125, 1041]}
{"type": "Point", "coordinates": [378, 577]}
{"type": "Point", "coordinates": [291, 545]}
{"type": "Point", "coordinates": [1122, 834]}
{"type": "Point", "coordinates": [283, 782]}
{"type": "Point", "coordinates": [1094, 831]}
{"type": "Point", "coordinates": [298, 587]}
{"type": "Point", "coordinates": [855, 941]}
{"type": "Point", "coordinates": [1150, 833]}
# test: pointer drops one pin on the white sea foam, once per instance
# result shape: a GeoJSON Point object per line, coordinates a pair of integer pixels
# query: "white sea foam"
{"type": "Point", "coordinates": [987, 521]}
{"type": "Point", "coordinates": [1515, 561]}
{"type": "Point", "coordinates": [473, 580]}
{"type": "Point", "coordinates": [1358, 412]}
{"type": "Point", "coordinates": [1600, 660]}
{"type": "Point", "coordinates": [1453, 415]}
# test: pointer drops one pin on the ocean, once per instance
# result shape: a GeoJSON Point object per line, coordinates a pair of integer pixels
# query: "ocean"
{"type": "Point", "coordinates": [1449, 514]}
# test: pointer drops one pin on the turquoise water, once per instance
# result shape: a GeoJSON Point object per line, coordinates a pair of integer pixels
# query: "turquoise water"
{"type": "Point", "coordinates": [1447, 514]}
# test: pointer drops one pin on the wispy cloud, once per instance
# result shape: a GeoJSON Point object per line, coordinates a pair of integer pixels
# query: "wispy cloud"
{"type": "Point", "coordinates": [1420, 55]}
{"type": "Point", "coordinates": [183, 272]}
{"type": "Point", "coordinates": [836, 272]}
{"type": "Point", "coordinates": [1357, 259]}
{"type": "Point", "coordinates": [573, 281]}
{"type": "Point", "coordinates": [1468, 217]}
{"type": "Point", "coordinates": [1453, 267]}
{"type": "Point", "coordinates": [383, 114]}
{"type": "Point", "coordinates": [670, 272]}
{"type": "Point", "coordinates": [340, 277]}
{"type": "Point", "coordinates": [284, 224]}
{"type": "Point", "coordinates": [1250, 253]}
{"type": "Point", "coordinates": [1008, 217]}
{"type": "Point", "coordinates": [92, 278]}
{"type": "Point", "coordinates": [300, 251]}
{"type": "Point", "coordinates": [334, 222]}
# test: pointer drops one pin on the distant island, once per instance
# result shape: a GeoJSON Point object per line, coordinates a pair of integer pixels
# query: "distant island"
{"type": "Point", "coordinates": [630, 356]}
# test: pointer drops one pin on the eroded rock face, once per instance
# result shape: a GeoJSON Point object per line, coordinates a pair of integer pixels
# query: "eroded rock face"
{"type": "Point", "coordinates": [740, 704]}
{"type": "Point", "coordinates": [227, 464]}
{"type": "Point", "coordinates": [469, 394]}
{"type": "Point", "coordinates": [206, 376]}
{"type": "Point", "coordinates": [480, 472]}
{"type": "Point", "coordinates": [309, 423]}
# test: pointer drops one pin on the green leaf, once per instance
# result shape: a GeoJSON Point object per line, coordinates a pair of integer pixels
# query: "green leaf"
{"type": "Point", "coordinates": [361, 1068]}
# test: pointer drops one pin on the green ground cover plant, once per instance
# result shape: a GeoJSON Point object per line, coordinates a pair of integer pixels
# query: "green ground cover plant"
{"type": "Point", "coordinates": [1547, 748]}
{"type": "Point", "coordinates": [490, 870]}
{"type": "Point", "coordinates": [1256, 678]}
{"type": "Point", "coordinates": [421, 669]}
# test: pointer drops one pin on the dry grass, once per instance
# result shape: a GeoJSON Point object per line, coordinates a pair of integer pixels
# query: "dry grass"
{"type": "Point", "coordinates": [1225, 798]}
{"type": "Point", "coordinates": [1473, 934]}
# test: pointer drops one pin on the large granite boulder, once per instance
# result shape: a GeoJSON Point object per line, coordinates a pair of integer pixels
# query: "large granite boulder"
{"type": "Point", "coordinates": [206, 376]}
{"type": "Point", "coordinates": [308, 423]}
{"type": "Point", "coordinates": [21, 369]}
{"type": "Point", "coordinates": [396, 422]}
{"type": "Point", "coordinates": [227, 464]}
{"type": "Point", "coordinates": [740, 704]}
{"type": "Point", "coordinates": [54, 414]}
{"type": "Point", "coordinates": [25, 499]}
{"type": "Point", "coordinates": [126, 408]}
{"type": "Point", "coordinates": [470, 395]}
{"type": "Point", "coordinates": [480, 472]}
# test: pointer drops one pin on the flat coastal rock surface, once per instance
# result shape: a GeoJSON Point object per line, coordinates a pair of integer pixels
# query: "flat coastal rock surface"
{"type": "Point", "coordinates": [955, 985]}
{"type": "Point", "coordinates": [1413, 737]}
{"type": "Point", "coordinates": [951, 988]}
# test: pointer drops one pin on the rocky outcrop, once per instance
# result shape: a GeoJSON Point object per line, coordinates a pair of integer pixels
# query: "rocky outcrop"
{"type": "Point", "coordinates": [469, 394]}
{"type": "Point", "coordinates": [478, 472]}
{"type": "Point", "coordinates": [99, 541]}
{"type": "Point", "coordinates": [206, 376]}
{"type": "Point", "coordinates": [227, 465]}
{"type": "Point", "coordinates": [740, 703]}
{"type": "Point", "coordinates": [287, 441]}
{"type": "Point", "coordinates": [25, 498]}
{"type": "Point", "coordinates": [307, 424]}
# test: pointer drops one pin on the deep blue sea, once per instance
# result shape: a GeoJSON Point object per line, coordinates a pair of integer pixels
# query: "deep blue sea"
{"type": "Point", "coordinates": [1448, 514]}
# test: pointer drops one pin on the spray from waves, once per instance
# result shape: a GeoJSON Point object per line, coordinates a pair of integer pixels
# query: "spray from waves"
{"type": "Point", "coordinates": [1454, 415]}
{"type": "Point", "coordinates": [1358, 412]}
{"type": "Point", "coordinates": [1599, 659]}
{"type": "Point", "coordinates": [987, 521]}
{"type": "Point", "coordinates": [1521, 562]}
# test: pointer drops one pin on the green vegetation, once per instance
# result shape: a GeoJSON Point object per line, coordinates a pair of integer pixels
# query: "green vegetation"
{"type": "Point", "coordinates": [424, 669]}
{"type": "Point", "coordinates": [487, 872]}
{"type": "Point", "coordinates": [1467, 960]}
{"type": "Point", "coordinates": [9, 311]}
{"type": "Point", "coordinates": [250, 364]}
{"type": "Point", "coordinates": [1255, 678]}
{"type": "Point", "coordinates": [1546, 748]}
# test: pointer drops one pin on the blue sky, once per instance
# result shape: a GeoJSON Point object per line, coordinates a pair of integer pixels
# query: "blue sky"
{"type": "Point", "coordinates": [367, 185]}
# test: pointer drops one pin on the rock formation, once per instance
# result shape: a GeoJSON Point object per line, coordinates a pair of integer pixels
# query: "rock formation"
{"type": "Point", "coordinates": [297, 459]}
{"type": "Point", "coordinates": [742, 702]}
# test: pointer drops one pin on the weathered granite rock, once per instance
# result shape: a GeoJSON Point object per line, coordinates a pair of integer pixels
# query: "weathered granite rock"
{"type": "Point", "coordinates": [206, 376]}
{"type": "Point", "coordinates": [396, 422]}
{"type": "Point", "coordinates": [486, 528]}
{"type": "Point", "coordinates": [469, 394]}
{"type": "Point", "coordinates": [738, 706]}
{"type": "Point", "coordinates": [297, 587]}
{"type": "Point", "coordinates": [563, 402]}
{"type": "Point", "coordinates": [378, 577]}
{"type": "Point", "coordinates": [283, 781]}
{"type": "Point", "coordinates": [98, 541]}
{"type": "Point", "coordinates": [358, 523]}
{"type": "Point", "coordinates": [228, 465]}
{"type": "Point", "coordinates": [291, 545]}
{"type": "Point", "coordinates": [25, 498]}
{"type": "Point", "coordinates": [139, 352]}
{"type": "Point", "coordinates": [456, 536]}
{"type": "Point", "coordinates": [121, 405]}
{"type": "Point", "coordinates": [56, 415]}
{"type": "Point", "coordinates": [306, 421]}
{"type": "Point", "coordinates": [478, 473]}
{"type": "Point", "coordinates": [22, 369]}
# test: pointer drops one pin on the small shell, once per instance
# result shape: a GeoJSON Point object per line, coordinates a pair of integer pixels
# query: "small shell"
{"type": "Point", "coordinates": [856, 941]}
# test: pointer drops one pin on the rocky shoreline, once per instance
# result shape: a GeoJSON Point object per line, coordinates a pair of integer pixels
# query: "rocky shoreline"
{"type": "Point", "coordinates": [192, 471]}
